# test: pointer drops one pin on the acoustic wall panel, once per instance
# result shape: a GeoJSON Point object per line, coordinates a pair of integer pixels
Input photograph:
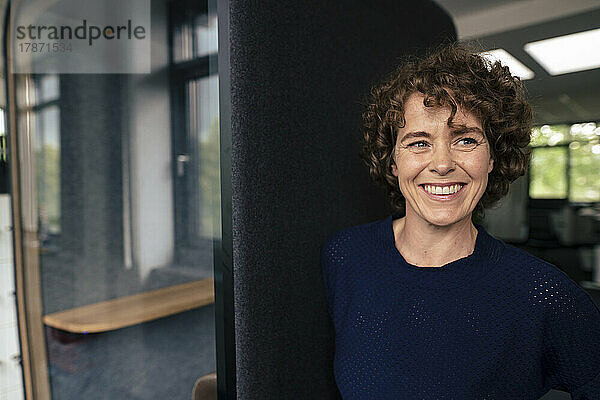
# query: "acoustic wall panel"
{"type": "Point", "coordinates": [299, 73]}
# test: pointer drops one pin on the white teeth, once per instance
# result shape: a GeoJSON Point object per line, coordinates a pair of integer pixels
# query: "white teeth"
{"type": "Point", "coordinates": [443, 190]}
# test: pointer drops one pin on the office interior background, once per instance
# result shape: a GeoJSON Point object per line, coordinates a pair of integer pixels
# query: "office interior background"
{"type": "Point", "coordinates": [160, 228]}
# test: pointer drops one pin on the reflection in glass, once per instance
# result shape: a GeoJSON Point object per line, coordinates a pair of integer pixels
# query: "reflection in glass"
{"type": "Point", "coordinates": [3, 143]}
{"type": "Point", "coordinates": [204, 135]}
{"type": "Point", "coordinates": [206, 35]}
{"type": "Point", "coordinates": [47, 88]}
{"type": "Point", "coordinates": [195, 37]}
{"type": "Point", "coordinates": [4, 180]}
{"type": "Point", "coordinates": [47, 155]}
{"type": "Point", "coordinates": [101, 190]}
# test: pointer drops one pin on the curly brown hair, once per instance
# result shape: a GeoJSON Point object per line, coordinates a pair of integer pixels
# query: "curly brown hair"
{"type": "Point", "coordinates": [447, 75]}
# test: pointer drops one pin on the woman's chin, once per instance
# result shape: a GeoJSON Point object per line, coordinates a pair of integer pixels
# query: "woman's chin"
{"type": "Point", "coordinates": [443, 220]}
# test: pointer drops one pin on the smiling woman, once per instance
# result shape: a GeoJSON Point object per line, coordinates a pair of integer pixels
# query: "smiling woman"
{"type": "Point", "coordinates": [446, 135]}
{"type": "Point", "coordinates": [488, 96]}
{"type": "Point", "coordinates": [445, 158]}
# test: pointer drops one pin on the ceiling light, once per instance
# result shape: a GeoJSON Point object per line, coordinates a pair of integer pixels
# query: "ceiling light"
{"type": "Point", "coordinates": [569, 53]}
{"type": "Point", "coordinates": [515, 66]}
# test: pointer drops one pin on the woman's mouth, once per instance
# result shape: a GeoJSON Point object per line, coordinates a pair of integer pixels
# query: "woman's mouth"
{"type": "Point", "coordinates": [443, 192]}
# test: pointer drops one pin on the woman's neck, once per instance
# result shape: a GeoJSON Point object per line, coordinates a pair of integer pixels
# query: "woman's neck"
{"type": "Point", "coordinates": [427, 245]}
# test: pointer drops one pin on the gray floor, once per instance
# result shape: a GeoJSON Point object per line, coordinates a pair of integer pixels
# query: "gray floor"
{"type": "Point", "coordinates": [161, 359]}
{"type": "Point", "coordinates": [156, 360]}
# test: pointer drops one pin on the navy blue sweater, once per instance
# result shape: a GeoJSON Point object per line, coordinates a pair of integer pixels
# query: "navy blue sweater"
{"type": "Point", "coordinates": [497, 324]}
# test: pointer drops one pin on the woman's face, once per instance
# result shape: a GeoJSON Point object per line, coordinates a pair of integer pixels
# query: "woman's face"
{"type": "Point", "coordinates": [442, 171]}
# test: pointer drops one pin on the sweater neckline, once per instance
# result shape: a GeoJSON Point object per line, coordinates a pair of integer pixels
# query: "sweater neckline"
{"type": "Point", "coordinates": [457, 273]}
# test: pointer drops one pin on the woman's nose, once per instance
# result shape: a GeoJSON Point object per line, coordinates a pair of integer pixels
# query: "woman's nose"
{"type": "Point", "coordinates": [441, 160]}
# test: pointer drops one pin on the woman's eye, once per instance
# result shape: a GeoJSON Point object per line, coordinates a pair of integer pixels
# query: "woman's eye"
{"type": "Point", "coordinates": [468, 141]}
{"type": "Point", "coordinates": [418, 144]}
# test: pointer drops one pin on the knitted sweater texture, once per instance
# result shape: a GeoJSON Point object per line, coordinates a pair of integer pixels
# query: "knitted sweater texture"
{"type": "Point", "coordinates": [497, 324]}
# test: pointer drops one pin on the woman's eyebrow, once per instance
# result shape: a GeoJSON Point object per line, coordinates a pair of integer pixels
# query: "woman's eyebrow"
{"type": "Point", "coordinates": [416, 134]}
{"type": "Point", "coordinates": [466, 129]}
{"type": "Point", "coordinates": [455, 132]}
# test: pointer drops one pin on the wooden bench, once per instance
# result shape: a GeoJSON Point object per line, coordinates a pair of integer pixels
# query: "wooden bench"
{"type": "Point", "coordinates": [135, 309]}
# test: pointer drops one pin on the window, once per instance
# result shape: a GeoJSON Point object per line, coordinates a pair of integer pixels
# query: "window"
{"type": "Point", "coordinates": [3, 155]}
{"type": "Point", "coordinates": [195, 129]}
{"type": "Point", "coordinates": [98, 172]}
{"type": "Point", "coordinates": [41, 113]}
{"type": "Point", "coordinates": [565, 162]}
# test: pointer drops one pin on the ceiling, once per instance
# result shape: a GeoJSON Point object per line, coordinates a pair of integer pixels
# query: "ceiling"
{"type": "Point", "coordinates": [510, 24]}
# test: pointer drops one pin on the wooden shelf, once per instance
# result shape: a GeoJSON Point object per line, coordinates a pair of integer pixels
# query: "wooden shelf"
{"type": "Point", "coordinates": [131, 310]}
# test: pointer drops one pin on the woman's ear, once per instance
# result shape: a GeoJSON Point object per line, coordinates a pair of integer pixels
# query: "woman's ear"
{"type": "Point", "coordinates": [491, 165]}
{"type": "Point", "coordinates": [394, 169]}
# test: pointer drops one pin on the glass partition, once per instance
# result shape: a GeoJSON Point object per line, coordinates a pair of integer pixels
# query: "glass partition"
{"type": "Point", "coordinates": [119, 183]}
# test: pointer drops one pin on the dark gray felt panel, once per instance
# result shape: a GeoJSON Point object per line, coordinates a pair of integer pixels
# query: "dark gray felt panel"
{"type": "Point", "coordinates": [299, 74]}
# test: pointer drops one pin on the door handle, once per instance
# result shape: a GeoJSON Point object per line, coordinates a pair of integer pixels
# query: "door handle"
{"type": "Point", "coordinates": [182, 159]}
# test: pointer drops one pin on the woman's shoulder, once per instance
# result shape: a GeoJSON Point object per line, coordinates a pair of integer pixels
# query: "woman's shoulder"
{"type": "Point", "coordinates": [524, 259]}
{"type": "Point", "coordinates": [537, 274]}
{"type": "Point", "coordinates": [357, 232]}
{"type": "Point", "coordinates": [360, 236]}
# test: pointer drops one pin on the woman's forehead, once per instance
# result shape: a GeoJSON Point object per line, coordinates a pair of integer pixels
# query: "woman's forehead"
{"type": "Point", "coordinates": [416, 113]}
